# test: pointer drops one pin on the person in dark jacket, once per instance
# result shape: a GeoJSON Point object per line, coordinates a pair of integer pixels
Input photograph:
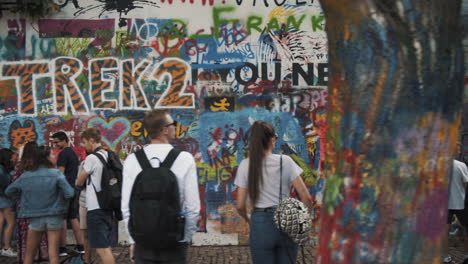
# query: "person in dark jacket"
{"type": "Point", "coordinates": [43, 191]}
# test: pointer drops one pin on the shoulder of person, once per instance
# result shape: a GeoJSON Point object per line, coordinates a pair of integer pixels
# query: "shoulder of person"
{"type": "Point", "coordinates": [244, 162]}
{"type": "Point", "coordinates": [130, 160]}
{"type": "Point", "coordinates": [57, 172]}
{"type": "Point", "coordinates": [186, 155]}
{"type": "Point", "coordinates": [66, 151]}
{"type": "Point", "coordinates": [459, 165]}
{"type": "Point", "coordinates": [91, 157]}
{"type": "Point", "coordinates": [52, 170]}
{"type": "Point", "coordinates": [130, 157]}
{"type": "Point", "coordinates": [71, 151]}
{"type": "Point", "coordinates": [286, 158]}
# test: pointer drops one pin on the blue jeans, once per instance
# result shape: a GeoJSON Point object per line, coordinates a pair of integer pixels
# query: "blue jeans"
{"type": "Point", "coordinates": [267, 244]}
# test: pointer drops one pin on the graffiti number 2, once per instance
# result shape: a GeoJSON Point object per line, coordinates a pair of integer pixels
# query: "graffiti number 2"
{"type": "Point", "coordinates": [174, 96]}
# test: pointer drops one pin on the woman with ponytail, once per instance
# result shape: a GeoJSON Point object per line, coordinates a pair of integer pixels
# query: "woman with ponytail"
{"type": "Point", "coordinates": [258, 178]}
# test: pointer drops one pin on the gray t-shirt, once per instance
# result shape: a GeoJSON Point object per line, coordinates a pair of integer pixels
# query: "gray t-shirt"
{"type": "Point", "coordinates": [269, 191]}
{"type": "Point", "coordinates": [458, 178]}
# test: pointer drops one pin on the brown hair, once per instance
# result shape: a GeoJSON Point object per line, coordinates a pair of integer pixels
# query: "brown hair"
{"type": "Point", "coordinates": [93, 133]}
{"type": "Point", "coordinates": [154, 122]}
{"type": "Point", "coordinates": [43, 157]}
{"type": "Point", "coordinates": [260, 136]}
{"type": "Point", "coordinates": [30, 155]}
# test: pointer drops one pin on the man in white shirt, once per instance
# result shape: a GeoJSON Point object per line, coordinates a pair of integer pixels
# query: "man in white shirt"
{"type": "Point", "coordinates": [161, 129]}
{"type": "Point", "coordinates": [99, 221]}
{"type": "Point", "coordinates": [456, 204]}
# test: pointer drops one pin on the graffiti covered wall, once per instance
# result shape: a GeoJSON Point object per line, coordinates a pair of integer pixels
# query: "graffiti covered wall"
{"type": "Point", "coordinates": [216, 64]}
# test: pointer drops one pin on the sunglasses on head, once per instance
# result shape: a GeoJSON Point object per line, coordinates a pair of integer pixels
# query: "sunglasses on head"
{"type": "Point", "coordinates": [172, 124]}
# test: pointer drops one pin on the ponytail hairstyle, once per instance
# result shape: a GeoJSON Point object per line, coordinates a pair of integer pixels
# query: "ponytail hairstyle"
{"type": "Point", "coordinates": [260, 136]}
{"type": "Point", "coordinates": [43, 158]}
{"type": "Point", "coordinates": [29, 157]}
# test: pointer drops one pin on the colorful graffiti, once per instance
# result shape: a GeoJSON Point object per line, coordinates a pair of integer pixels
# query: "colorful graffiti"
{"type": "Point", "coordinates": [216, 66]}
{"type": "Point", "coordinates": [393, 123]}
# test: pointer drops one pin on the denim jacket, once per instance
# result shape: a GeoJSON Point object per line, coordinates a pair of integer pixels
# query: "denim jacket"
{"type": "Point", "coordinates": [42, 192]}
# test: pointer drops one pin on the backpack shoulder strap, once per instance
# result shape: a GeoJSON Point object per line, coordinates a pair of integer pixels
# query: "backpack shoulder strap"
{"type": "Point", "coordinates": [143, 159]}
{"type": "Point", "coordinates": [100, 157]}
{"type": "Point", "coordinates": [171, 157]}
{"type": "Point", "coordinates": [104, 164]}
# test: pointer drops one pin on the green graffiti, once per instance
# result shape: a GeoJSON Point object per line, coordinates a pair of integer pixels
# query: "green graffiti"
{"type": "Point", "coordinates": [309, 175]}
{"type": "Point", "coordinates": [172, 30]}
{"type": "Point", "coordinates": [254, 22]}
{"type": "Point", "coordinates": [273, 24]}
{"type": "Point", "coordinates": [218, 21]}
{"type": "Point", "coordinates": [333, 194]}
{"type": "Point", "coordinates": [317, 23]}
{"type": "Point", "coordinates": [292, 21]}
{"type": "Point", "coordinates": [71, 46]}
{"type": "Point", "coordinates": [46, 46]}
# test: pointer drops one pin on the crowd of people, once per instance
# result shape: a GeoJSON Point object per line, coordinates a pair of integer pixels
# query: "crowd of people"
{"type": "Point", "coordinates": [157, 197]}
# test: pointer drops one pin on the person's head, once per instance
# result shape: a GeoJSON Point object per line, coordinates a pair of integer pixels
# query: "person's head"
{"type": "Point", "coordinates": [60, 140]}
{"type": "Point", "coordinates": [29, 158]}
{"type": "Point", "coordinates": [46, 157]}
{"type": "Point", "coordinates": [160, 125]}
{"type": "Point", "coordinates": [6, 158]}
{"type": "Point", "coordinates": [91, 139]}
{"type": "Point", "coordinates": [261, 142]}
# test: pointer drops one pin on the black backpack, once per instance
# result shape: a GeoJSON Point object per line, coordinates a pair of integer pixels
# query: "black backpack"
{"type": "Point", "coordinates": [155, 214]}
{"type": "Point", "coordinates": [109, 198]}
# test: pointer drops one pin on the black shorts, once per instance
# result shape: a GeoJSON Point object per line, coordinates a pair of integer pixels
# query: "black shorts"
{"type": "Point", "coordinates": [462, 216]}
{"type": "Point", "coordinates": [99, 228]}
{"type": "Point", "coordinates": [73, 207]}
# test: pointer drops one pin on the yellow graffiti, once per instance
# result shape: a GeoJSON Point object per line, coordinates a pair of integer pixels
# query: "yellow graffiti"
{"type": "Point", "coordinates": [221, 106]}
{"type": "Point", "coordinates": [219, 171]}
{"type": "Point", "coordinates": [137, 129]}
{"type": "Point", "coordinates": [281, 14]}
{"type": "Point", "coordinates": [309, 175]}
{"type": "Point", "coordinates": [71, 46]}
{"type": "Point", "coordinates": [181, 130]}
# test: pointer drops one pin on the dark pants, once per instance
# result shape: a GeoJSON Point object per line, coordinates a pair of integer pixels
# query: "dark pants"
{"type": "Point", "coordinates": [267, 243]}
{"type": "Point", "coordinates": [99, 228]}
{"type": "Point", "coordinates": [177, 255]}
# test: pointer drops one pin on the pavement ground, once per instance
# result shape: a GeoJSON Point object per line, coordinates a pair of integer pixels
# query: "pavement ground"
{"type": "Point", "coordinates": [228, 255]}
{"type": "Point", "coordinates": [196, 255]}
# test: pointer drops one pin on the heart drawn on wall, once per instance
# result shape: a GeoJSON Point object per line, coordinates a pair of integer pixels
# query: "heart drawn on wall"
{"type": "Point", "coordinates": [111, 132]}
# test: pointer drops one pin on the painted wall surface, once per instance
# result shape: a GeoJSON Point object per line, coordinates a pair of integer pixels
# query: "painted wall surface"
{"type": "Point", "coordinates": [393, 121]}
{"type": "Point", "coordinates": [218, 65]}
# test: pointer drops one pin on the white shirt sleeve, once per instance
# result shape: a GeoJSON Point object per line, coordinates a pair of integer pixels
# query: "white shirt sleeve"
{"type": "Point", "coordinates": [128, 178]}
{"type": "Point", "coordinates": [241, 175]}
{"type": "Point", "coordinates": [192, 198]}
{"type": "Point", "coordinates": [90, 164]}
{"type": "Point", "coordinates": [464, 172]}
{"type": "Point", "coordinates": [291, 168]}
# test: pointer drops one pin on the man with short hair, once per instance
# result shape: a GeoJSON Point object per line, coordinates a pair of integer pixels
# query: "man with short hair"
{"type": "Point", "coordinates": [99, 221]}
{"type": "Point", "coordinates": [68, 162]}
{"type": "Point", "coordinates": [161, 129]}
